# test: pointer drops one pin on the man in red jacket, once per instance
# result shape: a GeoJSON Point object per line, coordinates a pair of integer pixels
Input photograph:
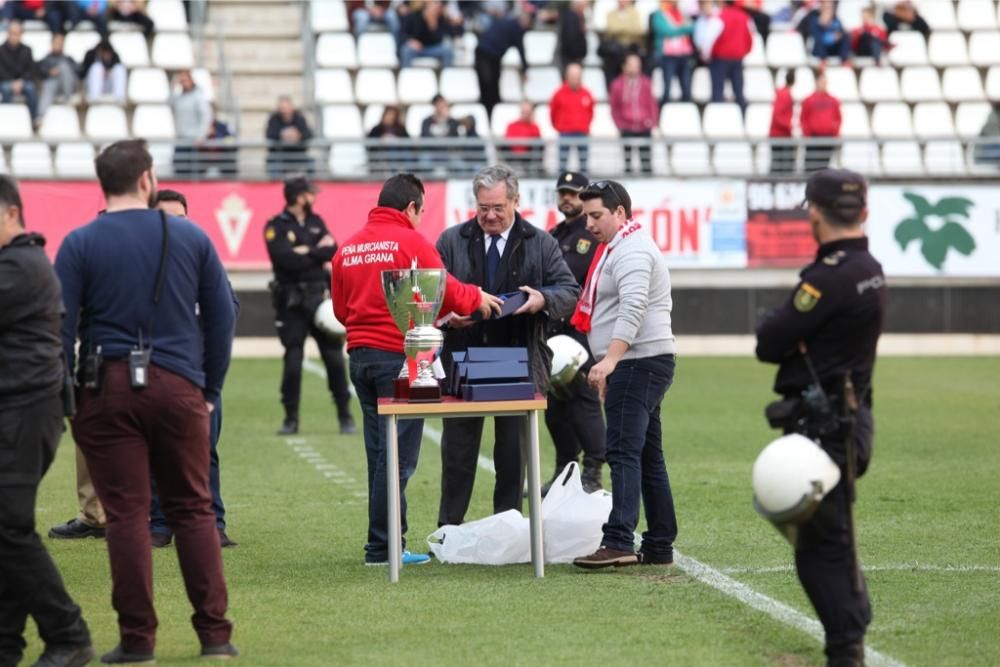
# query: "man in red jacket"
{"type": "Point", "coordinates": [388, 240]}
{"type": "Point", "coordinates": [572, 110]}
{"type": "Point", "coordinates": [820, 120]}
{"type": "Point", "coordinates": [783, 154]}
{"type": "Point", "coordinates": [728, 52]}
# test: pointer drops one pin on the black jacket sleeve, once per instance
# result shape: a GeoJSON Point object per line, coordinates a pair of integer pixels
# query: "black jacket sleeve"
{"type": "Point", "coordinates": [815, 300]}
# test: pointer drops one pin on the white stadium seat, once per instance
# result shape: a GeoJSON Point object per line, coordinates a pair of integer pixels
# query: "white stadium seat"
{"type": "Point", "coordinates": [375, 85]}
{"type": "Point", "coordinates": [842, 84]}
{"type": "Point", "coordinates": [984, 48]}
{"type": "Point", "coordinates": [148, 84]}
{"type": "Point", "coordinates": [680, 120]}
{"type": "Point", "coordinates": [203, 79]}
{"type": "Point", "coordinates": [758, 86]}
{"type": "Point", "coordinates": [478, 113]}
{"type": "Point", "coordinates": [593, 43]}
{"type": "Point", "coordinates": [372, 116]}
{"type": "Point", "coordinates": [30, 158]}
{"type": "Point", "coordinates": [909, 48]}
{"type": "Point", "coordinates": [539, 48]}
{"type": "Point", "coordinates": [854, 121]}
{"type": "Point", "coordinates": [511, 89]}
{"type": "Point", "coordinates": [131, 48]}
{"type": "Point", "coordinates": [723, 121]}
{"type": "Point", "coordinates": [593, 80]}
{"type": "Point", "coordinates": [758, 120]}
{"type": "Point", "coordinates": [862, 157]}
{"type": "Point", "coordinates": [337, 50]}
{"type": "Point", "coordinates": [891, 120]}
{"type": "Point", "coordinates": [947, 49]}
{"type": "Point", "coordinates": [600, 13]}
{"type": "Point", "coordinates": [993, 83]}
{"type": "Point", "coordinates": [541, 84]}
{"type": "Point", "coordinates": [944, 158]}
{"type": "Point", "coordinates": [757, 56]}
{"type": "Point", "coordinates": [78, 42]}
{"type": "Point", "coordinates": [163, 158]}
{"type": "Point", "coordinates": [603, 126]}
{"type": "Point", "coordinates": [168, 15]}
{"type": "Point", "coordinates": [976, 15]}
{"type": "Point", "coordinates": [106, 122]}
{"type": "Point", "coordinates": [962, 84]}
{"type": "Point", "coordinates": [342, 121]}
{"type": "Point", "coordinates": [348, 158]}
{"type": "Point", "coordinates": [329, 16]}
{"type": "Point", "coordinates": [377, 49]}
{"type": "Point", "coordinates": [504, 115]}
{"type": "Point", "coordinates": [849, 13]}
{"type": "Point", "coordinates": [920, 84]}
{"type": "Point", "coordinates": [701, 87]}
{"type": "Point", "coordinates": [932, 120]}
{"type": "Point", "coordinates": [415, 116]}
{"type": "Point", "coordinates": [460, 84]}
{"type": "Point", "coordinates": [153, 121]}
{"type": "Point", "coordinates": [805, 83]}
{"type": "Point", "coordinates": [544, 120]}
{"type": "Point", "coordinates": [879, 84]}
{"type": "Point", "coordinates": [732, 159]}
{"type": "Point", "coordinates": [970, 118]}
{"type": "Point", "coordinates": [333, 86]}
{"type": "Point", "coordinates": [60, 122]}
{"type": "Point", "coordinates": [785, 49]}
{"type": "Point", "coordinates": [75, 159]}
{"type": "Point", "coordinates": [939, 15]}
{"type": "Point", "coordinates": [902, 158]}
{"type": "Point", "coordinates": [40, 43]}
{"type": "Point", "coordinates": [15, 122]}
{"type": "Point", "coordinates": [689, 158]}
{"type": "Point", "coordinates": [417, 85]}
{"type": "Point", "coordinates": [606, 158]}
{"type": "Point", "coordinates": [172, 50]}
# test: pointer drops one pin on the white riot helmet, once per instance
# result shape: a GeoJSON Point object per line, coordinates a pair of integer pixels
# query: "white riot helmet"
{"type": "Point", "coordinates": [568, 357]}
{"type": "Point", "coordinates": [326, 321]}
{"type": "Point", "coordinates": [790, 478]}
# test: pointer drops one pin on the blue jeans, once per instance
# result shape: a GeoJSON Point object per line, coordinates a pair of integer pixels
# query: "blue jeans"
{"type": "Point", "coordinates": [157, 520]}
{"type": "Point", "coordinates": [372, 372]}
{"type": "Point", "coordinates": [635, 456]}
{"type": "Point", "coordinates": [683, 68]}
{"type": "Point", "coordinates": [28, 90]}
{"type": "Point", "coordinates": [581, 148]}
{"type": "Point", "coordinates": [722, 69]}
{"type": "Point", "coordinates": [442, 52]}
{"type": "Point", "coordinates": [362, 18]}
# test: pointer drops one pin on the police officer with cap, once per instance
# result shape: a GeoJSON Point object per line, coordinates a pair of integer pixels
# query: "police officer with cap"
{"type": "Point", "coordinates": [300, 246]}
{"type": "Point", "coordinates": [823, 338]}
{"type": "Point", "coordinates": [574, 414]}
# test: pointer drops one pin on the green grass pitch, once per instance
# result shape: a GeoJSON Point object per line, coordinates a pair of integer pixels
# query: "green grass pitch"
{"type": "Point", "coordinates": [299, 594]}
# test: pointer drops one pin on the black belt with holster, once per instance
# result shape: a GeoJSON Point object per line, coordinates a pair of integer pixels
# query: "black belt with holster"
{"type": "Point", "coordinates": [287, 296]}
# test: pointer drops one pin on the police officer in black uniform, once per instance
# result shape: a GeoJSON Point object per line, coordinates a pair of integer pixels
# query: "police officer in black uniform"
{"type": "Point", "coordinates": [300, 246]}
{"type": "Point", "coordinates": [574, 414]}
{"type": "Point", "coordinates": [823, 339]}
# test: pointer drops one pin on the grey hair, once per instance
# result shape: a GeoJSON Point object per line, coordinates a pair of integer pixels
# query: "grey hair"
{"type": "Point", "coordinates": [494, 175]}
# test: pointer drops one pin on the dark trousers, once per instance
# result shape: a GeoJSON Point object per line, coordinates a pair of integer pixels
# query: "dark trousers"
{"type": "Point", "coordinates": [372, 372]}
{"type": "Point", "coordinates": [75, 13]}
{"type": "Point", "coordinates": [568, 140]}
{"type": "Point", "coordinates": [576, 424]}
{"type": "Point", "coordinates": [841, 49]}
{"type": "Point", "coordinates": [824, 551]}
{"type": "Point", "coordinates": [460, 444]}
{"type": "Point", "coordinates": [293, 325]}
{"type": "Point", "coordinates": [721, 70]}
{"type": "Point", "coordinates": [139, 18]}
{"type": "Point", "coordinates": [488, 71]}
{"type": "Point", "coordinates": [818, 157]}
{"type": "Point", "coordinates": [871, 46]}
{"type": "Point", "coordinates": [53, 17]}
{"type": "Point", "coordinates": [126, 435]}
{"type": "Point", "coordinates": [635, 456]}
{"type": "Point", "coordinates": [30, 584]}
{"type": "Point", "coordinates": [645, 154]}
{"type": "Point", "coordinates": [782, 160]}
{"type": "Point", "coordinates": [187, 161]}
{"type": "Point", "coordinates": [683, 68]}
{"type": "Point", "coordinates": [158, 521]}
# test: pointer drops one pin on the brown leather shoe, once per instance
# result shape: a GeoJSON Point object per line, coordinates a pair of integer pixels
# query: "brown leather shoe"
{"type": "Point", "coordinates": [605, 557]}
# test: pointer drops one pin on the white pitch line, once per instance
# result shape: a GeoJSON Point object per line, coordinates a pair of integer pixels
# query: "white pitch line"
{"type": "Point", "coordinates": [897, 567]}
{"type": "Point", "coordinates": [710, 576]}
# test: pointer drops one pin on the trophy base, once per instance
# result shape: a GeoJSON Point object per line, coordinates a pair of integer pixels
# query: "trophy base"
{"type": "Point", "coordinates": [401, 389]}
{"type": "Point", "coordinates": [425, 394]}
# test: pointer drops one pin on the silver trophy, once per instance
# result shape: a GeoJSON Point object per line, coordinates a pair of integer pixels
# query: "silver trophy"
{"type": "Point", "coordinates": [414, 297]}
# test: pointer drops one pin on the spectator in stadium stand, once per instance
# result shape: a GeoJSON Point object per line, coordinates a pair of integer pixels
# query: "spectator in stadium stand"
{"type": "Point", "coordinates": [827, 34]}
{"type": "Point", "coordinates": [503, 33]}
{"type": "Point", "coordinates": [17, 70]}
{"type": "Point", "coordinates": [869, 39]}
{"type": "Point", "coordinates": [34, 10]}
{"type": "Point", "coordinates": [132, 11]}
{"type": "Point", "coordinates": [289, 134]}
{"type": "Point", "coordinates": [426, 34]}
{"type": "Point", "coordinates": [761, 19]}
{"type": "Point", "coordinates": [439, 125]}
{"type": "Point", "coordinates": [364, 13]}
{"type": "Point", "coordinates": [783, 156]}
{"type": "Point", "coordinates": [472, 155]}
{"type": "Point", "coordinates": [218, 150]}
{"type": "Point", "coordinates": [672, 31]}
{"type": "Point", "coordinates": [707, 26]}
{"type": "Point", "coordinates": [635, 111]}
{"type": "Point", "coordinates": [572, 34]}
{"type": "Point", "coordinates": [571, 111]}
{"type": "Point", "coordinates": [193, 120]}
{"type": "Point", "coordinates": [625, 33]}
{"type": "Point", "coordinates": [106, 76]}
{"type": "Point", "coordinates": [904, 17]}
{"type": "Point", "coordinates": [526, 158]}
{"type": "Point", "coordinates": [95, 11]}
{"type": "Point", "coordinates": [57, 72]}
{"type": "Point", "coordinates": [820, 119]}
{"type": "Point", "coordinates": [730, 48]}
{"type": "Point", "coordinates": [383, 153]}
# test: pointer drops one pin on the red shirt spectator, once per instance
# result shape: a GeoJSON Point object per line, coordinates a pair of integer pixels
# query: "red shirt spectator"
{"type": "Point", "coordinates": [735, 40]}
{"type": "Point", "coordinates": [633, 107]}
{"type": "Point", "coordinates": [820, 116]}
{"type": "Point", "coordinates": [572, 107]}
{"type": "Point", "coordinates": [523, 128]}
{"type": "Point", "coordinates": [781, 112]}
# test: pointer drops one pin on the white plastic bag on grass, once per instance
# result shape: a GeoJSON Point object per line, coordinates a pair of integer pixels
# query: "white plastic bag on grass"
{"type": "Point", "coordinates": [572, 517]}
{"type": "Point", "coordinates": [496, 540]}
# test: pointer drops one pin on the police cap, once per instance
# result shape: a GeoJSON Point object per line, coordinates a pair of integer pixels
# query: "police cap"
{"type": "Point", "coordinates": [572, 180]}
{"type": "Point", "coordinates": [840, 190]}
{"type": "Point", "coordinates": [296, 186]}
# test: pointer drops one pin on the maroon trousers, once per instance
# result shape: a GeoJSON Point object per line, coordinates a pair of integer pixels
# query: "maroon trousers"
{"type": "Point", "coordinates": [125, 434]}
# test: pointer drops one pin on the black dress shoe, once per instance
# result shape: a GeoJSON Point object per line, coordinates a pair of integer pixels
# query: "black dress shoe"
{"type": "Point", "coordinates": [347, 426]}
{"type": "Point", "coordinates": [75, 529]}
{"type": "Point", "coordinates": [161, 540]}
{"type": "Point", "coordinates": [225, 541]}
{"type": "Point", "coordinates": [289, 427]}
{"type": "Point", "coordinates": [66, 656]}
{"type": "Point", "coordinates": [119, 656]}
{"type": "Point", "coordinates": [219, 652]}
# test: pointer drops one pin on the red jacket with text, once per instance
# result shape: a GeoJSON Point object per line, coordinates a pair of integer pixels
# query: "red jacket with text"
{"type": "Point", "coordinates": [387, 241]}
{"type": "Point", "coordinates": [820, 116]}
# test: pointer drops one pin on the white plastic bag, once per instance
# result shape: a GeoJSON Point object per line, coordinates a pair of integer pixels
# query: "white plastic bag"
{"type": "Point", "coordinates": [496, 540]}
{"type": "Point", "coordinates": [573, 518]}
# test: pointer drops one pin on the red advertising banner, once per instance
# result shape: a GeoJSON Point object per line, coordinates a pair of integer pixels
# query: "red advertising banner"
{"type": "Point", "coordinates": [777, 229]}
{"type": "Point", "coordinates": [233, 214]}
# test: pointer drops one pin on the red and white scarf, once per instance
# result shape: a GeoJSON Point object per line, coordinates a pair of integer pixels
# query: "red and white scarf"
{"type": "Point", "coordinates": [585, 308]}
